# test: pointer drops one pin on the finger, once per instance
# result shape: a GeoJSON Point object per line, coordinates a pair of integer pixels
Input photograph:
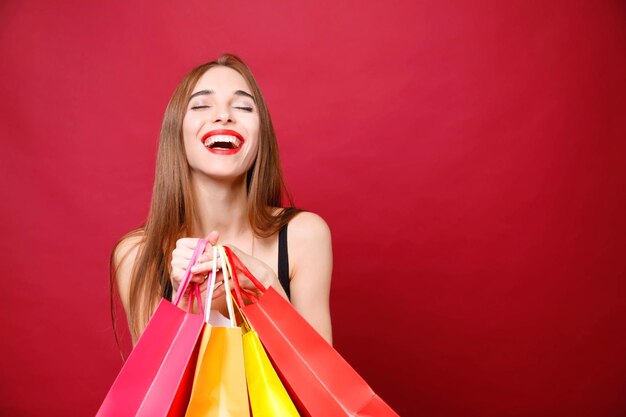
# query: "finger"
{"type": "Point", "coordinates": [218, 291]}
{"type": "Point", "coordinates": [219, 278]}
{"type": "Point", "coordinates": [204, 267]}
{"type": "Point", "coordinates": [208, 256]}
{"type": "Point", "coordinates": [199, 278]}
{"type": "Point", "coordinates": [178, 275]}
{"type": "Point", "coordinates": [213, 237]}
{"type": "Point", "coordinates": [182, 253]}
{"type": "Point", "coordinates": [203, 286]}
{"type": "Point", "coordinates": [205, 257]}
{"type": "Point", "coordinates": [180, 263]}
{"type": "Point", "coordinates": [187, 242]}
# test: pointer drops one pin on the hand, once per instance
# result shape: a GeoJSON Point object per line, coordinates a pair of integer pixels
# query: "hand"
{"type": "Point", "coordinates": [260, 270]}
{"type": "Point", "coordinates": [181, 256]}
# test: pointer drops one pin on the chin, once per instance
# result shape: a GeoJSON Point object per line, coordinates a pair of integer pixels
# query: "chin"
{"type": "Point", "coordinates": [219, 175]}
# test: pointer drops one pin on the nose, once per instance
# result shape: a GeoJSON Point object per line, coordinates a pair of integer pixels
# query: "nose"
{"type": "Point", "coordinates": [222, 116]}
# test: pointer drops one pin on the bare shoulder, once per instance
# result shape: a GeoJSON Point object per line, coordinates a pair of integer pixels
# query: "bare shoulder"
{"type": "Point", "coordinates": [310, 249]}
{"type": "Point", "coordinates": [307, 227]}
{"type": "Point", "coordinates": [126, 250]}
{"type": "Point", "coordinates": [308, 236]}
{"type": "Point", "coordinates": [122, 262]}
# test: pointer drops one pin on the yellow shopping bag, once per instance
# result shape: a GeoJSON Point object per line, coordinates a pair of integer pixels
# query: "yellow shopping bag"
{"type": "Point", "coordinates": [219, 387]}
{"type": "Point", "coordinates": [268, 396]}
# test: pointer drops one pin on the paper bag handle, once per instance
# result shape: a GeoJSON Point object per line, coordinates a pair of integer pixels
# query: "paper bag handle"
{"type": "Point", "coordinates": [194, 294]}
{"type": "Point", "coordinates": [236, 264]}
{"type": "Point", "coordinates": [211, 287]}
{"type": "Point", "coordinates": [187, 277]}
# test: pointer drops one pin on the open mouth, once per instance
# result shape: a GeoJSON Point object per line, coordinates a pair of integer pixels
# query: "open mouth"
{"type": "Point", "coordinates": [223, 141]}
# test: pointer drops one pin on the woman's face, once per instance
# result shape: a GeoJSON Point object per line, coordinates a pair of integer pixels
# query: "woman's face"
{"type": "Point", "coordinates": [221, 125]}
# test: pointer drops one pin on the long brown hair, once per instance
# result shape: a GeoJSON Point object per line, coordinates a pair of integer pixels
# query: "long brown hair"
{"type": "Point", "coordinates": [172, 210]}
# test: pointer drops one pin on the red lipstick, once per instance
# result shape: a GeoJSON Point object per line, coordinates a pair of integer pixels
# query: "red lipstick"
{"type": "Point", "coordinates": [237, 144]}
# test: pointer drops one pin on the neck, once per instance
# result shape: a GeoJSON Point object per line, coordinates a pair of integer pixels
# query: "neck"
{"type": "Point", "coordinates": [221, 205]}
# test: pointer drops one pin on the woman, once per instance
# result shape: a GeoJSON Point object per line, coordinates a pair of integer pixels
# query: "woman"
{"type": "Point", "coordinates": [218, 176]}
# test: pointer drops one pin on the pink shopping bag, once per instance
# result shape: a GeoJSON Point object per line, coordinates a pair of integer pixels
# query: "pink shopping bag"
{"type": "Point", "coordinates": [157, 377]}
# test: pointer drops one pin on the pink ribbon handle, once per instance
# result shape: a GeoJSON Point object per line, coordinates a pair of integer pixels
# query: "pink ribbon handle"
{"type": "Point", "coordinates": [187, 278]}
{"type": "Point", "coordinates": [194, 294]}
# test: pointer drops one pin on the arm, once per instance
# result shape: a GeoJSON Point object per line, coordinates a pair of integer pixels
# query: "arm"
{"type": "Point", "coordinates": [124, 256]}
{"type": "Point", "coordinates": [311, 259]}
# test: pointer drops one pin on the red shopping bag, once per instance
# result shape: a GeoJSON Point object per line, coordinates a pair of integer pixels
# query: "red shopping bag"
{"type": "Point", "coordinates": [157, 377]}
{"type": "Point", "coordinates": [319, 380]}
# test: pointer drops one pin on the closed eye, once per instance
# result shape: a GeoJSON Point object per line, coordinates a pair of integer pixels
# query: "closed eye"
{"type": "Point", "coordinates": [199, 107]}
{"type": "Point", "coordinates": [249, 109]}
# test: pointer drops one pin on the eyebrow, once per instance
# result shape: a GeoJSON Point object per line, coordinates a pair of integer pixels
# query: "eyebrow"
{"type": "Point", "coordinates": [209, 92]}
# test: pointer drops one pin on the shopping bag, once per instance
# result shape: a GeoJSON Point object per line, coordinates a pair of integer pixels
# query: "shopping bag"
{"type": "Point", "coordinates": [319, 380]}
{"type": "Point", "coordinates": [268, 397]}
{"type": "Point", "coordinates": [219, 387]}
{"type": "Point", "coordinates": [156, 379]}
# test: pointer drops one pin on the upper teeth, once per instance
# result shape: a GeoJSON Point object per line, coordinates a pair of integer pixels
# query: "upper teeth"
{"type": "Point", "coordinates": [222, 138]}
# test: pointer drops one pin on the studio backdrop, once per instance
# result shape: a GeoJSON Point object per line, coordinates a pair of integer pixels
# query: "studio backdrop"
{"type": "Point", "coordinates": [468, 156]}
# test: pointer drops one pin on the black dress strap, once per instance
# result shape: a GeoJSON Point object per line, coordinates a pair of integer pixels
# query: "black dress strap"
{"type": "Point", "coordinates": [283, 260]}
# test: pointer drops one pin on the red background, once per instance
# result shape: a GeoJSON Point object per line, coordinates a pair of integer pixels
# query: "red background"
{"type": "Point", "coordinates": [468, 157]}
